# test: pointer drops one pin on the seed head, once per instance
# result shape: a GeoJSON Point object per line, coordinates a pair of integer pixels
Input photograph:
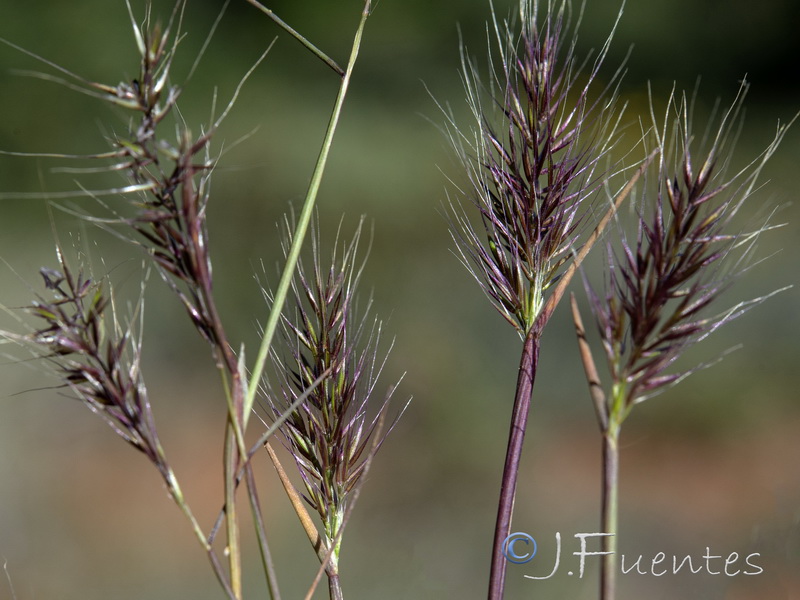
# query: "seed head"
{"type": "Point", "coordinates": [330, 434]}
{"type": "Point", "coordinates": [686, 254]}
{"type": "Point", "coordinates": [531, 156]}
{"type": "Point", "coordinates": [93, 356]}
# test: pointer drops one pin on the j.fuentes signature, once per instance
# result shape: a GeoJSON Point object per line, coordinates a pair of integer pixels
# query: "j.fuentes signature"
{"type": "Point", "coordinates": [520, 548]}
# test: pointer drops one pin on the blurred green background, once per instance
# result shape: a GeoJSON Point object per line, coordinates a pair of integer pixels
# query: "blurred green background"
{"type": "Point", "coordinates": [711, 463]}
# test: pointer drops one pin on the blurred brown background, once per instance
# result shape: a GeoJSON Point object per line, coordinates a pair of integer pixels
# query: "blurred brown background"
{"type": "Point", "coordinates": [711, 463]}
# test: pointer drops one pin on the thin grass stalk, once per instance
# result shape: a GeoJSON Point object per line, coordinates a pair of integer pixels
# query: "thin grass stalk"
{"type": "Point", "coordinates": [240, 422]}
{"type": "Point", "coordinates": [229, 369]}
{"type": "Point", "coordinates": [262, 442]}
{"type": "Point", "coordinates": [592, 377]}
{"type": "Point", "coordinates": [286, 27]}
{"type": "Point", "coordinates": [610, 513]}
{"type": "Point", "coordinates": [215, 565]}
{"type": "Point", "coordinates": [234, 388]}
{"type": "Point", "coordinates": [303, 221]}
{"type": "Point", "coordinates": [233, 539]}
{"type": "Point", "coordinates": [177, 496]}
{"type": "Point", "coordinates": [233, 452]}
{"type": "Point", "coordinates": [263, 545]}
{"type": "Point", "coordinates": [516, 438]}
{"type": "Point", "coordinates": [335, 587]}
{"type": "Point", "coordinates": [610, 469]}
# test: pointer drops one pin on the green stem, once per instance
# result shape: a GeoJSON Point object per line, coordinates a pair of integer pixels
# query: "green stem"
{"type": "Point", "coordinates": [314, 50]}
{"type": "Point", "coordinates": [231, 518]}
{"type": "Point", "coordinates": [609, 416]}
{"type": "Point", "coordinates": [177, 496]}
{"type": "Point", "coordinates": [233, 414]}
{"type": "Point", "coordinates": [233, 450]}
{"type": "Point", "coordinates": [610, 512]}
{"type": "Point", "coordinates": [258, 520]}
{"type": "Point", "coordinates": [302, 223]}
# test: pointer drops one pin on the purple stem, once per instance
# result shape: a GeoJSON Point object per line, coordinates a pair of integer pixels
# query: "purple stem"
{"type": "Point", "coordinates": [516, 437]}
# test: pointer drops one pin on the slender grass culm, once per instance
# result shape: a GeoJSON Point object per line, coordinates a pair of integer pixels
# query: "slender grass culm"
{"type": "Point", "coordinates": [661, 287]}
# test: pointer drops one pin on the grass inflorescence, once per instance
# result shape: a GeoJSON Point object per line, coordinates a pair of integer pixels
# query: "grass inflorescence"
{"type": "Point", "coordinates": [662, 285]}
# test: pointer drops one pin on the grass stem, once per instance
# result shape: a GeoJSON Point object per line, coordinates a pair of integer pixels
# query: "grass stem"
{"type": "Point", "coordinates": [610, 428]}
{"type": "Point", "coordinates": [231, 518]}
{"type": "Point", "coordinates": [610, 511]}
{"type": "Point", "coordinates": [258, 524]}
{"type": "Point", "coordinates": [177, 496]}
{"type": "Point", "coordinates": [335, 587]}
{"type": "Point", "coordinates": [314, 50]}
{"type": "Point", "coordinates": [516, 437]}
{"type": "Point", "coordinates": [303, 222]}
